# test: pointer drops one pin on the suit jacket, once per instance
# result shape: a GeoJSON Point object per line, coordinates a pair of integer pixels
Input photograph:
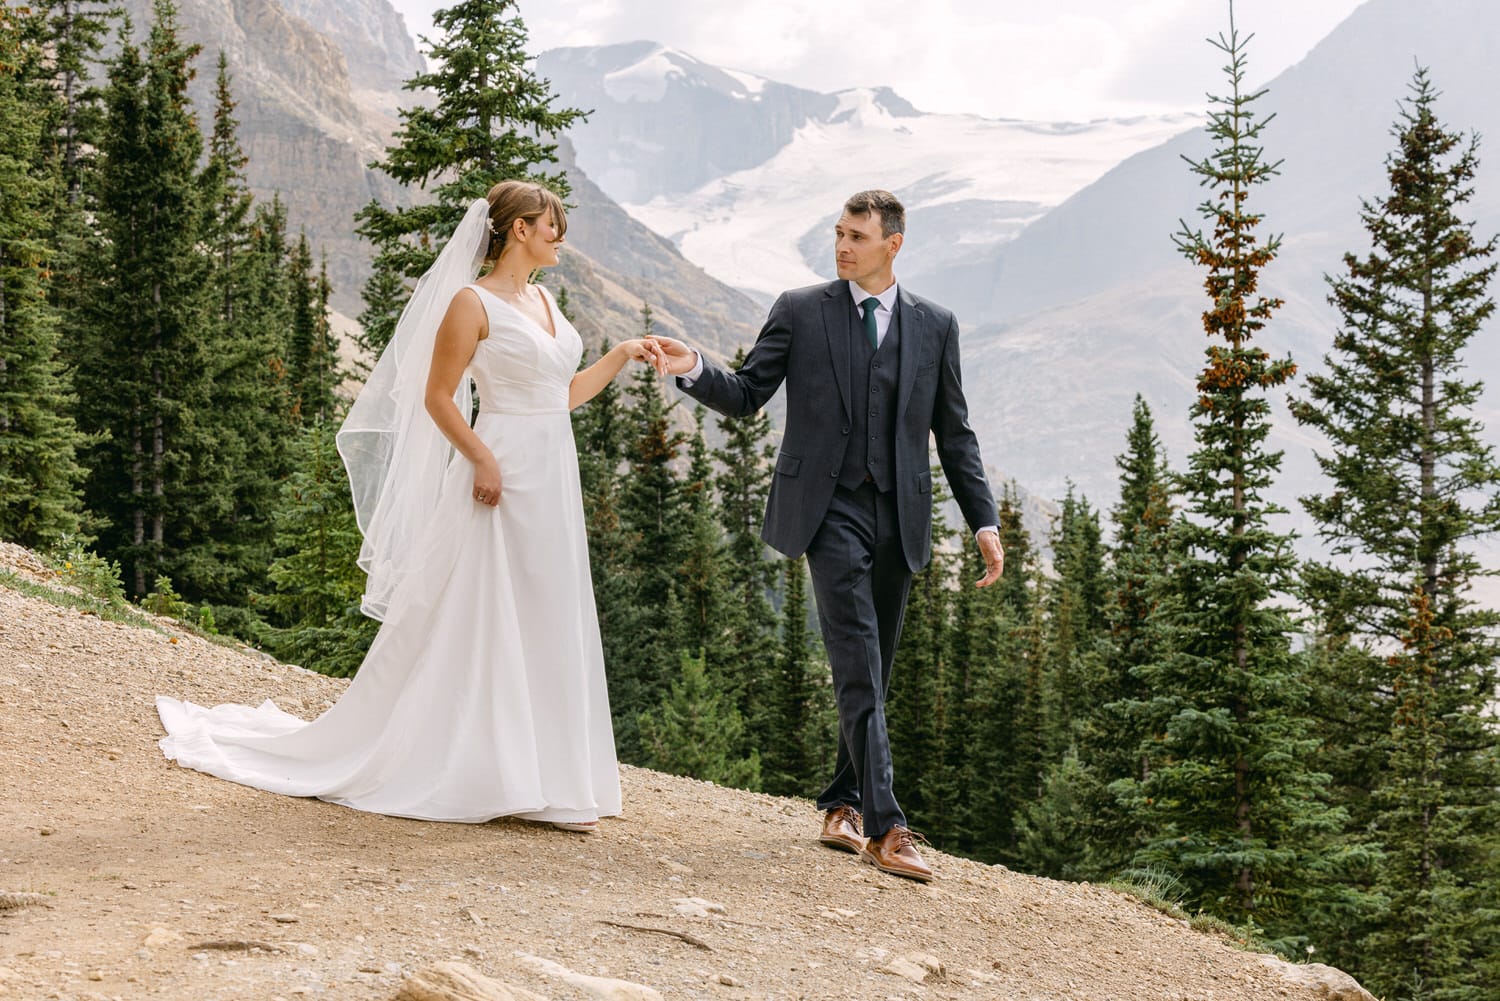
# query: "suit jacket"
{"type": "Point", "coordinates": [805, 342]}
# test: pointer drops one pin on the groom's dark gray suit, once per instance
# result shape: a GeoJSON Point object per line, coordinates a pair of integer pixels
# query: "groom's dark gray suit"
{"type": "Point", "coordinates": [853, 489]}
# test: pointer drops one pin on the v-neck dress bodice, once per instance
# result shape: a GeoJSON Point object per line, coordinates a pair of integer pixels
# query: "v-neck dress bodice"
{"type": "Point", "coordinates": [520, 368]}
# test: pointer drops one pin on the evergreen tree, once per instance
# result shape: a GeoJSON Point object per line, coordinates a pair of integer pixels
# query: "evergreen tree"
{"type": "Point", "coordinates": [799, 754]}
{"type": "Point", "coordinates": [695, 731]}
{"type": "Point", "coordinates": [1412, 489]}
{"type": "Point", "coordinates": [914, 711]}
{"type": "Point", "coordinates": [154, 479]}
{"type": "Point", "coordinates": [246, 343]}
{"type": "Point", "coordinates": [1075, 624]}
{"type": "Point", "coordinates": [39, 470]}
{"type": "Point", "coordinates": [489, 123]}
{"type": "Point", "coordinates": [652, 524]}
{"type": "Point", "coordinates": [312, 356]}
{"type": "Point", "coordinates": [1008, 692]}
{"type": "Point", "coordinates": [1229, 804]}
{"type": "Point", "coordinates": [701, 577]}
{"type": "Point", "coordinates": [600, 432]}
{"type": "Point", "coordinates": [743, 484]}
{"type": "Point", "coordinates": [977, 698]}
{"type": "Point", "coordinates": [318, 583]}
{"type": "Point", "coordinates": [1139, 584]}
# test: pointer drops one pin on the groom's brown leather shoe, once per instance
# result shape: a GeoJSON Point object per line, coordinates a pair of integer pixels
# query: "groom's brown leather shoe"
{"type": "Point", "coordinates": [841, 830]}
{"type": "Point", "coordinates": [895, 852]}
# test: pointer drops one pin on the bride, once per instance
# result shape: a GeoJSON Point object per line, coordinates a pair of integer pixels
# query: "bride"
{"type": "Point", "coordinates": [483, 694]}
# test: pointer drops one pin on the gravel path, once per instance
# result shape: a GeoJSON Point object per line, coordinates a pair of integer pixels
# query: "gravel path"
{"type": "Point", "coordinates": [138, 879]}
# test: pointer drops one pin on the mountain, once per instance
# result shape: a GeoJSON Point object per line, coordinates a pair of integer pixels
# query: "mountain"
{"type": "Point", "coordinates": [126, 876]}
{"type": "Point", "coordinates": [747, 175]}
{"type": "Point", "coordinates": [308, 127]}
{"type": "Point", "coordinates": [1092, 303]}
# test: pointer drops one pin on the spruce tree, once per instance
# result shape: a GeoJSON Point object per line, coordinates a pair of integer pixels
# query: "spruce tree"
{"type": "Point", "coordinates": [743, 484]}
{"type": "Point", "coordinates": [914, 710]}
{"type": "Point", "coordinates": [653, 526]}
{"type": "Point", "coordinates": [696, 731]}
{"type": "Point", "coordinates": [1229, 804]}
{"type": "Point", "coordinates": [798, 757]}
{"type": "Point", "coordinates": [490, 123]}
{"type": "Point", "coordinates": [246, 345]}
{"type": "Point", "coordinates": [1411, 491]}
{"type": "Point", "coordinates": [153, 476]}
{"type": "Point", "coordinates": [39, 469]}
{"type": "Point", "coordinates": [318, 584]}
{"type": "Point", "coordinates": [1138, 588]}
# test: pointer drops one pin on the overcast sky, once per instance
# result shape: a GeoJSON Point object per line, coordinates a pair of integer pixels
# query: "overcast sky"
{"type": "Point", "coordinates": [1042, 59]}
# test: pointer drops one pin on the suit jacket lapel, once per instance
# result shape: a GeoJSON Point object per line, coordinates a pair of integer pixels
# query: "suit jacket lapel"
{"type": "Point", "coordinates": [913, 320]}
{"type": "Point", "coordinates": [838, 325]}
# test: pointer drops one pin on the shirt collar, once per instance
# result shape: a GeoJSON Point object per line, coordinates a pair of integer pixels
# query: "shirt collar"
{"type": "Point", "coordinates": [887, 298]}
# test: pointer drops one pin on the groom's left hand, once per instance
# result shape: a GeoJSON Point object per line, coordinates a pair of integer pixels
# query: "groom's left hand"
{"type": "Point", "coordinates": [994, 557]}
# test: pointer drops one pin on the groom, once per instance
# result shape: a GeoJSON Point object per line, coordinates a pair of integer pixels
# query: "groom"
{"type": "Point", "coordinates": [870, 370]}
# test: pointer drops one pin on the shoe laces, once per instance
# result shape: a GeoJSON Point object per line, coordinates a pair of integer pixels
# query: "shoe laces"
{"type": "Point", "coordinates": [906, 838]}
{"type": "Point", "coordinates": [849, 815]}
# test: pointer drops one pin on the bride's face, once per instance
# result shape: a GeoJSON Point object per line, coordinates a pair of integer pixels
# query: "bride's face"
{"type": "Point", "coordinates": [539, 240]}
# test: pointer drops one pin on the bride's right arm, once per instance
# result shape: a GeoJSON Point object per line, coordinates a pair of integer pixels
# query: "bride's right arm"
{"type": "Point", "coordinates": [457, 338]}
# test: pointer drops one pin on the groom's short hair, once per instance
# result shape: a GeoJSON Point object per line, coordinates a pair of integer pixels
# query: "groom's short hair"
{"type": "Point", "coordinates": [892, 213]}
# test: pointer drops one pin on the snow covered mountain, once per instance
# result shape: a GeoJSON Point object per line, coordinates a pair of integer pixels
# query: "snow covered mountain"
{"type": "Point", "coordinates": [746, 175]}
{"type": "Point", "coordinates": [1093, 304]}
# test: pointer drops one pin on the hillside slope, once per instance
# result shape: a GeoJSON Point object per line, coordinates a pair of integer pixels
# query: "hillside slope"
{"type": "Point", "coordinates": [142, 879]}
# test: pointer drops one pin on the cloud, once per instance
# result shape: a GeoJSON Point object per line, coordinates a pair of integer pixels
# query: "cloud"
{"type": "Point", "coordinates": [1058, 59]}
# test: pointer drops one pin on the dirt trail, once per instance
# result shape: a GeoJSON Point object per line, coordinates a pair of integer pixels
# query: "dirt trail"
{"type": "Point", "coordinates": [159, 882]}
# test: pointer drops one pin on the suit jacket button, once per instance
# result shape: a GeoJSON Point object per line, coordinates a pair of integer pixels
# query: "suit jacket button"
{"type": "Point", "coordinates": [846, 430]}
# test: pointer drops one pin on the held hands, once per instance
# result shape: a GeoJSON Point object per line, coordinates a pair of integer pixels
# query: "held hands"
{"type": "Point", "coordinates": [646, 350]}
{"type": "Point", "coordinates": [994, 557]}
{"type": "Point", "coordinates": [487, 480]}
{"type": "Point", "coordinates": [679, 358]}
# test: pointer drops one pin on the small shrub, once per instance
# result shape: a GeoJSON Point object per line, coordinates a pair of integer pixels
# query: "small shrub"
{"type": "Point", "coordinates": [97, 578]}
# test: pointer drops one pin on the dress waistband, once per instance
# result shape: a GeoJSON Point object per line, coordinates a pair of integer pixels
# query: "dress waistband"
{"type": "Point", "coordinates": [523, 411]}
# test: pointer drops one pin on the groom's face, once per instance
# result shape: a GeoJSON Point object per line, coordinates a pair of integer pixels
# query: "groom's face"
{"type": "Point", "coordinates": [860, 249]}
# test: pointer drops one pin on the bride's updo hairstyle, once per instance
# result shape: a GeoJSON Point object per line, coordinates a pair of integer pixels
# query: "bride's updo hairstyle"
{"type": "Point", "coordinates": [512, 200]}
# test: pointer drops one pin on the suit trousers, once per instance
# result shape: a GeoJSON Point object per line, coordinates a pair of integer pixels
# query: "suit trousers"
{"type": "Point", "coordinates": [860, 582]}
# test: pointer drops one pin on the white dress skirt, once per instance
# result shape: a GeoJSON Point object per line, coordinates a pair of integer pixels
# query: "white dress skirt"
{"type": "Point", "coordinates": [483, 694]}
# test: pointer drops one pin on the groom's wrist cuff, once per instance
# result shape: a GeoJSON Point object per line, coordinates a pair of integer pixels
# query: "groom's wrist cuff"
{"type": "Point", "coordinates": [688, 378]}
{"type": "Point", "coordinates": [987, 528]}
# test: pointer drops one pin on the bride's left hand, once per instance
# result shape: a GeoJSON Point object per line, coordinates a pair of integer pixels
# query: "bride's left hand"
{"type": "Point", "coordinates": [648, 351]}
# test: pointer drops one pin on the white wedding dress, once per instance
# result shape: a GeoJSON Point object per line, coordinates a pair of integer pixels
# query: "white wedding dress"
{"type": "Point", "coordinates": [483, 694]}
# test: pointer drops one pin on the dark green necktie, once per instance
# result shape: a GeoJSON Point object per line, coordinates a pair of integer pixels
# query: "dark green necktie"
{"type": "Point", "coordinates": [869, 307]}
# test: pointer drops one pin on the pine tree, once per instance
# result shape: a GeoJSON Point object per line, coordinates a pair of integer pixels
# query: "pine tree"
{"type": "Point", "coordinates": [247, 341]}
{"type": "Point", "coordinates": [1139, 585]}
{"type": "Point", "coordinates": [72, 33]}
{"type": "Point", "coordinates": [154, 479]}
{"type": "Point", "coordinates": [1230, 805]}
{"type": "Point", "coordinates": [313, 373]}
{"type": "Point", "coordinates": [701, 577]}
{"type": "Point", "coordinates": [1075, 624]}
{"type": "Point", "coordinates": [318, 583]}
{"type": "Point", "coordinates": [914, 711]}
{"type": "Point", "coordinates": [695, 731]}
{"type": "Point", "coordinates": [976, 695]}
{"type": "Point", "coordinates": [39, 470]}
{"type": "Point", "coordinates": [489, 124]}
{"type": "Point", "coordinates": [1412, 488]}
{"type": "Point", "coordinates": [799, 753]}
{"type": "Point", "coordinates": [652, 521]}
{"type": "Point", "coordinates": [743, 484]}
